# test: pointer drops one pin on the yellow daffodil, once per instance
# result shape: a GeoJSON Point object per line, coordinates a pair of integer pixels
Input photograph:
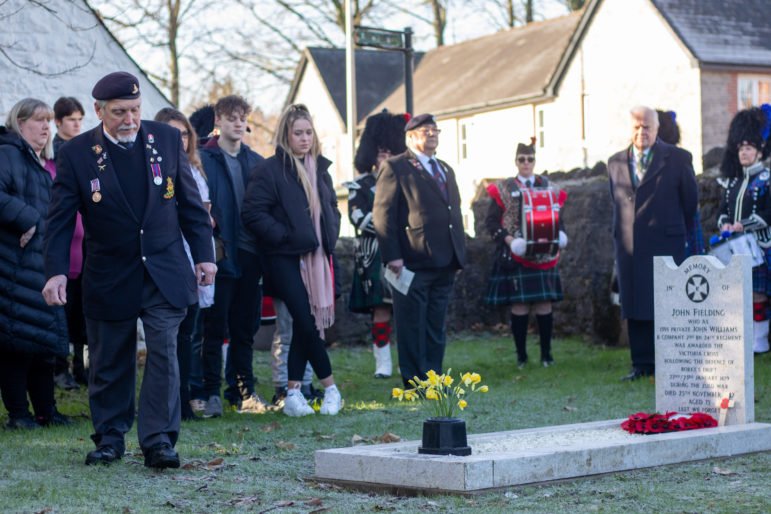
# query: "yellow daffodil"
{"type": "Point", "coordinates": [448, 381]}
{"type": "Point", "coordinates": [483, 389]}
{"type": "Point", "coordinates": [397, 393]}
{"type": "Point", "coordinates": [431, 395]}
{"type": "Point", "coordinates": [462, 404]}
{"type": "Point", "coordinates": [476, 378]}
{"type": "Point", "coordinates": [460, 391]}
{"type": "Point", "coordinates": [466, 378]}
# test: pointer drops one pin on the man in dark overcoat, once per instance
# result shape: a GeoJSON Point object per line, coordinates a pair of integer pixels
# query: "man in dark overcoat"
{"type": "Point", "coordinates": [654, 194]}
{"type": "Point", "coordinates": [131, 182]}
{"type": "Point", "coordinates": [418, 222]}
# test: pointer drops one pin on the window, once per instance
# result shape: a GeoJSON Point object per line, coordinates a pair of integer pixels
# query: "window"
{"type": "Point", "coordinates": [463, 140]}
{"type": "Point", "coordinates": [753, 91]}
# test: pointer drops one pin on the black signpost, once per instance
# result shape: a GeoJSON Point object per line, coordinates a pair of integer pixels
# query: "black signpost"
{"type": "Point", "coordinates": [394, 41]}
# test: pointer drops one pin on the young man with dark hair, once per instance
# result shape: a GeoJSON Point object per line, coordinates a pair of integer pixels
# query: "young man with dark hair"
{"type": "Point", "coordinates": [68, 116]}
{"type": "Point", "coordinates": [227, 163]}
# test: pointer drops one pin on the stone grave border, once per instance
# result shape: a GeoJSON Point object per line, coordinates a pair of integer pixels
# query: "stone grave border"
{"type": "Point", "coordinates": [398, 466]}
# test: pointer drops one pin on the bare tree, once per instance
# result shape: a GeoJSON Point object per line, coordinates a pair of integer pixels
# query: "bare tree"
{"type": "Point", "coordinates": [19, 56]}
{"type": "Point", "coordinates": [156, 24]}
{"type": "Point", "coordinates": [574, 5]}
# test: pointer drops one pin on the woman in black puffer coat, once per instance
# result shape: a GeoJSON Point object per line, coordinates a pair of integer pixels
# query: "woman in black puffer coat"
{"type": "Point", "coordinates": [31, 332]}
{"type": "Point", "coordinates": [290, 205]}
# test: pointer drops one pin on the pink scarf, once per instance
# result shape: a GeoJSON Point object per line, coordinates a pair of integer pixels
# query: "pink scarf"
{"type": "Point", "coordinates": [314, 266]}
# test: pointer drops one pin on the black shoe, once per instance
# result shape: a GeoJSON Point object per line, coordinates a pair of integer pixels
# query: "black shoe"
{"type": "Point", "coordinates": [80, 378]}
{"type": "Point", "coordinates": [189, 415]}
{"type": "Point", "coordinates": [56, 418]}
{"type": "Point", "coordinates": [23, 423]}
{"type": "Point", "coordinates": [279, 397]}
{"type": "Point", "coordinates": [102, 455]}
{"type": "Point", "coordinates": [66, 381]}
{"type": "Point", "coordinates": [161, 456]}
{"type": "Point", "coordinates": [547, 363]}
{"type": "Point", "coordinates": [636, 373]}
{"type": "Point", "coordinates": [311, 393]}
{"type": "Point", "coordinates": [521, 363]}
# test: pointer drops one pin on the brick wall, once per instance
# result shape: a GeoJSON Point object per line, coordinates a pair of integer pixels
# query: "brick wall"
{"type": "Point", "coordinates": [718, 97]}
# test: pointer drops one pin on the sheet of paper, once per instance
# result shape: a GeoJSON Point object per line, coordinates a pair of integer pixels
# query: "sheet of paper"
{"type": "Point", "coordinates": [402, 282]}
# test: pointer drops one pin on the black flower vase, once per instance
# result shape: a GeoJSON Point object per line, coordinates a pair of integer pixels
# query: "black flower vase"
{"type": "Point", "coordinates": [444, 436]}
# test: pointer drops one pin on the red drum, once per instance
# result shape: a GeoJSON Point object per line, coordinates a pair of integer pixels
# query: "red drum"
{"type": "Point", "coordinates": [540, 221]}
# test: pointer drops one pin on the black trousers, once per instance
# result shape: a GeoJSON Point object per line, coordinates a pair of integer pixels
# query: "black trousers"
{"type": "Point", "coordinates": [76, 326]}
{"type": "Point", "coordinates": [307, 344]}
{"type": "Point", "coordinates": [641, 344]}
{"type": "Point", "coordinates": [420, 322]}
{"type": "Point", "coordinates": [113, 368]}
{"type": "Point", "coordinates": [184, 359]}
{"type": "Point", "coordinates": [237, 303]}
{"type": "Point", "coordinates": [21, 373]}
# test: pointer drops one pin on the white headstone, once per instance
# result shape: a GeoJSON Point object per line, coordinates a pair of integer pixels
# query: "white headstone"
{"type": "Point", "coordinates": [703, 334]}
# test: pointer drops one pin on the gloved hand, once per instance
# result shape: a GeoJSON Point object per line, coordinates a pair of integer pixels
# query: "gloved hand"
{"type": "Point", "coordinates": [563, 237]}
{"type": "Point", "coordinates": [518, 246]}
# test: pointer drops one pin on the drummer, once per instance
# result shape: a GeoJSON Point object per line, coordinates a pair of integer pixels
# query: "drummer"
{"type": "Point", "coordinates": [746, 204]}
{"type": "Point", "coordinates": [516, 280]}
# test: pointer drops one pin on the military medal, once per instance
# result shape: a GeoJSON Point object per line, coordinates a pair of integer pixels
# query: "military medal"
{"type": "Point", "coordinates": [96, 195]}
{"type": "Point", "coordinates": [97, 149]}
{"type": "Point", "coordinates": [150, 139]}
{"type": "Point", "coordinates": [157, 178]}
{"type": "Point", "coordinates": [169, 188]}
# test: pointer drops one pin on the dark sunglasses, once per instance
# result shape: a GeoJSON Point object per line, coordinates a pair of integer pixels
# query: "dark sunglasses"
{"type": "Point", "coordinates": [526, 159]}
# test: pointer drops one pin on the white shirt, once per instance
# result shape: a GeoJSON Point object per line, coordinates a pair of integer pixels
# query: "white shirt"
{"type": "Point", "coordinates": [636, 158]}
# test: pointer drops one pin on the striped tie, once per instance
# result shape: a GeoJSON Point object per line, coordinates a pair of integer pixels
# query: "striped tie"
{"type": "Point", "coordinates": [438, 177]}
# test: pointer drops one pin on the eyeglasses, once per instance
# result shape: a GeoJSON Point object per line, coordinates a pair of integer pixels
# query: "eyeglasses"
{"type": "Point", "coordinates": [185, 133]}
{"type": "Point", "coordinates": [427, 131]}
{"type": "Point", "coordinates": [523, 160]}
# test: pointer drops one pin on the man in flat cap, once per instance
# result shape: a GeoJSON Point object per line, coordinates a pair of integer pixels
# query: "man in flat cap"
{"type": "Point", "coordinates": [131, 182]}
{"type": "Point", "coordinates": [419, 227]}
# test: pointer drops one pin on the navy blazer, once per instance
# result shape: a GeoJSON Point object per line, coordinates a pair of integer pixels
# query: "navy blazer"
{"type": "Point", "coordinates": [648, 220]}
{"type": "Point", "coordinates": [413, 220]}
{"type": "Point", "coordinates": [119, 247]}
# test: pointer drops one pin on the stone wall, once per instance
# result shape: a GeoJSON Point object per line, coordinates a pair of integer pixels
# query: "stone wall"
{"type": "Point", "coordinates": [586, 265]}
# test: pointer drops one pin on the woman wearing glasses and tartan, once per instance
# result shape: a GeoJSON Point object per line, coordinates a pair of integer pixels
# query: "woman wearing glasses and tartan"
{"type": "Point", "coordinates": [518, 280]}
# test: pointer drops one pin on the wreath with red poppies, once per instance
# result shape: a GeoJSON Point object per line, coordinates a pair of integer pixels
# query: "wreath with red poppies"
{"type": "Point", "coordinates": [644, 423]}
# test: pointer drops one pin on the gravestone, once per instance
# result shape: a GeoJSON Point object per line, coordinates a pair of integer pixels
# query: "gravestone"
{"type": "Point", "coordinates": [703, 335]}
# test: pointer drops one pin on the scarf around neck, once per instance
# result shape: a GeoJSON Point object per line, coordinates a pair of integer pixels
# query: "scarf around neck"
{"type": "Point", "coordinates": [314, 266]}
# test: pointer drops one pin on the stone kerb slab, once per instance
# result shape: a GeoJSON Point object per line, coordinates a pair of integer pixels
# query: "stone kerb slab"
{"type": "Point", "coordinates": [504, 459]}
{"type": "Point", "coordinates": [703, 331]}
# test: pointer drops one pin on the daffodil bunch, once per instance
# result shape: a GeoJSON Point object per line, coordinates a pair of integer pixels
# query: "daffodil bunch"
{"type": "Point", "coordinates": [441, 394]}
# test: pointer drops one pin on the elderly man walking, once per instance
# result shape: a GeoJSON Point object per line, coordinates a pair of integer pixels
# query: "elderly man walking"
{"type": "Point", "coordinates": [131, 182]}
{"type": "Point", "coordinates": [654, 194]}
{"type": "Point", "coordinates": [418, 222]}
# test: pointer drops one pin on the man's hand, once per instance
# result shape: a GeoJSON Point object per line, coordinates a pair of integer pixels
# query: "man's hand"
{"type": "Point", "coordinates": [55, 290]}
{"type": "Point", "coordinates": [205, 272]}
{"type": "Point", "coordinates": [737, 227]}
{"type": "Point", "coordinates": [26, 236]}
{"type": "Point", "coordinates": [396, 266]}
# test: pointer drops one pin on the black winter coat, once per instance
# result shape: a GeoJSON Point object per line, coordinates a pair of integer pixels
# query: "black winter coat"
{"type": "Point", "coordinates": [276, 209]}
{"type": "Point", "coordinates": [27, 324]}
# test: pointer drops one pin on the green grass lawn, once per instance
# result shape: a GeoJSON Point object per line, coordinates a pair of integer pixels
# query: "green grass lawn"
{"type": "Point", "coordinates": [266, 460]}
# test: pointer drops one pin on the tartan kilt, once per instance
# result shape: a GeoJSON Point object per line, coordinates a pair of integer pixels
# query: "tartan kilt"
{"type": "Point", "coordinates": [761, 275]}
{"type": "Point", "coordinates": [511, 282]}
{"type": "Point", "coordinates": [369, 288]}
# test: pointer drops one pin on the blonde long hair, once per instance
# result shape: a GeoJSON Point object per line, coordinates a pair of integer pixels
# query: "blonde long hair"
{"type": "Point", "coordinates": [293, 113]}
{"type": "Point", "coordinates": [24, 110]}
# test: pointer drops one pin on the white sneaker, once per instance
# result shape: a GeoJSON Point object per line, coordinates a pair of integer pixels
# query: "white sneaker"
{"type": "Point", "coordinates": [295, 405]}
{"type": "Point", "coordinates": [198, 405]}
{"type": "Point", "coordinates": [383, 365]}
{"type": "Point", "coordinates": [332, 401]}
{"type": "Point", "coordinates": [760, 341]}
{"type": "Point", "coordinates": [255, 404]}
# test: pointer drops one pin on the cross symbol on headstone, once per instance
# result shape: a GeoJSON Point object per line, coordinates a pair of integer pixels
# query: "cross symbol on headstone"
{"type": "Point", "coordinates": [723, 405]}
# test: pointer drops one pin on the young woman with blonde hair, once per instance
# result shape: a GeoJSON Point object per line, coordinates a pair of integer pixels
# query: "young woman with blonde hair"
{"type": "Point", "coordinates": [291, 207]}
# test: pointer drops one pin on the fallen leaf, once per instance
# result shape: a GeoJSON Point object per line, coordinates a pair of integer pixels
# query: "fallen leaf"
{"type": "Point", "coordinates": [285, 446]}
{"type": "Point", "coordinates": [722, 471]}
{"type": "Point", "coordinates": [570, 399]}
{"type": "Point", "coordinates": [194, 464]}
{"type": "Point", "coordinates": [245, 428]}
{"type": "Point", "coordinates": [380, 507]}
{"type": "Point", "coordinates": [511, 495]}
{"type": "Point", "coordinates": [388, 437]}
{"type": "Point", "coordinates": [285, 503]}
{"type": "Point", "coordinates": [255, 458]}
{"type": "Point", "coordinates": [270, 427]}
{"type": "Point", "coordinates": [214, 464]}
{"type": "Point", "coordinates": [314, 502]}
{"type": "Point", "coordinates": [356, 438]}
{"type": "Point", "coordinates": [325, 509]}
{"type": "Point", "coordinates": [47, 509]}
{"type": "Point", "coordinates": [569, 409]}
{"type": "Point", "coordinates": [322, 436]}
{"type": "Point", "coordinates": [246, 500]}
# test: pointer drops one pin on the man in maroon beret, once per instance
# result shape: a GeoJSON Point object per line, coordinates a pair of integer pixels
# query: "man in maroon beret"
{"type": "Point", "coordinates": [419, 227]}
